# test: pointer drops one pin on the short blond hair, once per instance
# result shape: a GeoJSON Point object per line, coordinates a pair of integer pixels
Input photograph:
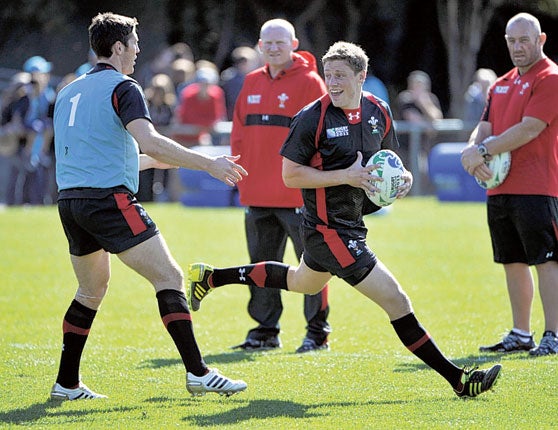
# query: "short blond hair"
{"type": "Point", "coordinates": [352, 54]}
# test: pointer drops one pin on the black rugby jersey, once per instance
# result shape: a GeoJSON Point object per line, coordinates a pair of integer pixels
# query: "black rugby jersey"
{"type": "Point", "coordinates": [321, 136]}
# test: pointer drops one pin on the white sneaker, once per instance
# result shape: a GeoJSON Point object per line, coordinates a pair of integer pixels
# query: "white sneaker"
{"type": "Point", "coordinates": [80, 393]}
{"type": "Point", "coordinates": [213, 382]}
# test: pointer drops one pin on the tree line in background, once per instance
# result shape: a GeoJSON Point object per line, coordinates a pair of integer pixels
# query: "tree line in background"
{"type": "Point", "coordinates": [449, 39]}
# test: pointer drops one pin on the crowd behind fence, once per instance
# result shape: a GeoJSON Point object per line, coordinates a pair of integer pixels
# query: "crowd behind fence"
{"type": "Point", "coordinates": [417, 140]}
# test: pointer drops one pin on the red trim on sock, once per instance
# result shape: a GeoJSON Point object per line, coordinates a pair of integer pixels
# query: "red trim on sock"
{"type": "Point", "coordinates": [177, 316]}
{"type": "Point", "coordinates": [258, 274]}
{"type": "Point", "coordinates": [325, 293]}
{"type": "Point", "coordinates": [70, 328]}
{"type": "Point", "coordinates": [419, 343]}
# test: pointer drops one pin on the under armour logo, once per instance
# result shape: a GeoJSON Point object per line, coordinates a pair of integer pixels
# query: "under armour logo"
{"type": "Point", "coordinates": [282, 99]}
{"type": "Point", "coordinates": [549, 254]}
{"type": "Point", "coordinates": [354, 116]}
{"type": "Point", "coordinates": [241, 273]}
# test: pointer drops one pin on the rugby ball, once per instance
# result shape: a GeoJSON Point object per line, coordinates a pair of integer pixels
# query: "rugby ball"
{"type": "Point", "coordinates": [390, 170]}
{"type": "Point", "coordinates": [500, 166]}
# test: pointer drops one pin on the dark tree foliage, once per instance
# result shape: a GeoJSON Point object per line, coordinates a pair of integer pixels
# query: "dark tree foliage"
{"type": "Point", "coordinates": [398, 35]}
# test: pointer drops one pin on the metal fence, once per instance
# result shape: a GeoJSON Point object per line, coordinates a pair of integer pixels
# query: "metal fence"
{"type": "Point", "coordinates": [417, 140]}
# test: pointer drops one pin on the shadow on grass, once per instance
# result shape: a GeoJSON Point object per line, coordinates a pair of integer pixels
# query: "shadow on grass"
{"type": "Point", "coordinates": [210, 359]}
{"type": "Point", "coordinates": [22, 416]}
{"type": "Point", "coordinates": [265, 409]}
{"type": "Point", "coordinates": [481, 360]}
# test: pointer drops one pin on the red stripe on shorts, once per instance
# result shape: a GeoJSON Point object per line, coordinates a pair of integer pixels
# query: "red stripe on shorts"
{"type": "Point", "coordinates": [336, 246]}
{"type": "Point", "coordinates": [177, 316]}
{"type": "Point", "coordinates": [70, 328]}
{"type": "Point", "coordinates": [258, 274]}
{"type": "Point", "coordinates": [131, 215]}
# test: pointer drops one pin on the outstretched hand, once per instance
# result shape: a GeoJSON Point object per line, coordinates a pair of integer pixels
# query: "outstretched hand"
{"type": "Point", "coordinates": [226, 170]}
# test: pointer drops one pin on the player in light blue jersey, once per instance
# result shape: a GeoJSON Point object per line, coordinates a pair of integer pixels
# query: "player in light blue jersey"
{"type": "Point", "coordinates": [101, 122]}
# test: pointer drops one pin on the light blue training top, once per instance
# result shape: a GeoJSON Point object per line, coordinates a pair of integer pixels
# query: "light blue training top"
{"type": "Point", "coordinates": [93, 148]}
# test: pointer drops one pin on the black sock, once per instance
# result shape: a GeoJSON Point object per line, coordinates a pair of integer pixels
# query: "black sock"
{"type": "Point", "coordinates": [418, 341]}
{"type": "Point", "coordinates": [175, 314]}
{"type": "Point", "coordinates": [268, 274]}
{"type": "Point", "coordinates": [75, 328]}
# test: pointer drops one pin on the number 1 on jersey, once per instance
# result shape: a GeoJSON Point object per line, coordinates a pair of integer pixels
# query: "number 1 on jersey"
{"type": "Point", "coordinates": [74, 101]}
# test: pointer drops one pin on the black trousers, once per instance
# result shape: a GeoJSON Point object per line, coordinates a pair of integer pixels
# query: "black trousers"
{"type": "Point", "coordinates": [267, 231]}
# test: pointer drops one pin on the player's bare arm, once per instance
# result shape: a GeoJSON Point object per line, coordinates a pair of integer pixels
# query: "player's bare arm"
{"type": "Point", "coordinates": [147, 162]}
{"type": "Point", "coordinates": [514, 137]}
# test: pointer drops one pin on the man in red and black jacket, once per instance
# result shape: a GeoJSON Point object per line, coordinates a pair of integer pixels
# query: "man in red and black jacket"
{"type": "Point", "coordinates": [269, 98]}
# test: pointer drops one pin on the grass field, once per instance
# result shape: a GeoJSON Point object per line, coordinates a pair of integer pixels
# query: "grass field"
{"type": "Point", "coordinates": [439, 252]}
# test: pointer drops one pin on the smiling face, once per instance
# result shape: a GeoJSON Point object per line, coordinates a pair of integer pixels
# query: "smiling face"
{"type": "Point", "coordinates": [525, 44]}
{"type": "Point", "coordinates": [344, 85]}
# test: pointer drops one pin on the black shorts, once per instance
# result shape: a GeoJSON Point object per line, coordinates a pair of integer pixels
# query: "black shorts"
{"type": "Point", "coordinates": [343, 253]}
{"type": "Point", "coordinates": [109, 219]}
{"type": "Point", "coordinates": [523, 228]}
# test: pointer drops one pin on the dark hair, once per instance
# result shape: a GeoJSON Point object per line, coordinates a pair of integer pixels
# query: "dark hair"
{"type": "Point", "coordinates": [108, 28]}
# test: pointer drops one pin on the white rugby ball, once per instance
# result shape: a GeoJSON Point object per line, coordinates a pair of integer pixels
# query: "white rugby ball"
{"type": "Point", "coordinates": [390, 170]}
{"type": "Point", "coordinates": [500, 166]}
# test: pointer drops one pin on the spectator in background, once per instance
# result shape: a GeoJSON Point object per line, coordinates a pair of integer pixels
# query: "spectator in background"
{"type": "Point", "coordinates": [161, 99]}
{"type": "Point", "coordinates": [182, 74]}
{"type": "Point", "coordinates": [162, 62]}
{"type": "Point", "coordinates": [418, 105]}
{"type": "Point", "coordinates": [201, 106]}
{"type": "Point", "coordinates": [30, 175]}
{"type": "Point", "coordinates": [13, 107]}
{"type": "Point", "coordinates": [475, 97]}
{"type": "Point", "coordinates": [38, 122]}
{"type": "Point", "coordinates": [245, 59]}
{"type": "Point", "coordinates": [87, 66]}
{"type": "Point", "coordinates": [374, 85]}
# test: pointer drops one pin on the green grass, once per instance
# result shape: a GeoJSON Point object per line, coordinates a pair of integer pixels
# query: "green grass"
{"type": "Point", "coordinates": [439, 252]}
